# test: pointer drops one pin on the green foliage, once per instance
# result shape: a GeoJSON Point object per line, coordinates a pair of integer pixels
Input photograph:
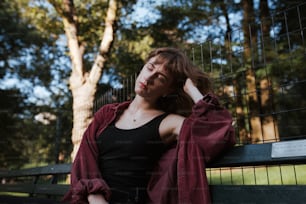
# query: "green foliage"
{"type": "Point", "coordinates": [129, 54]}
{"type": "Point", "coordinates": [11, 143]}
{"type": "Point", "coordinates": [25, 52]}
{"type": "Point", "coordinates": [28, 54]}
{"type": "Point", "coordinates": [25, 139]}
{"type": "Point", "coordinates": [289, 76]}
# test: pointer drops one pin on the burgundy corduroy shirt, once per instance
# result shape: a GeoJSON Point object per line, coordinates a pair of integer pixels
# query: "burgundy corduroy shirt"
{"type": "Point", "coordinates": [180, 175]}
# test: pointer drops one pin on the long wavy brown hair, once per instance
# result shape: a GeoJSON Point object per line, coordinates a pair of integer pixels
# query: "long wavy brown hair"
{"type": "Point", "coordinates": [179, 66]}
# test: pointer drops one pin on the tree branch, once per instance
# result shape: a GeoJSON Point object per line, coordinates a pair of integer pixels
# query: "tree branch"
{"type": "Point", "coordinates": [106, 42]}
{"type": "Point", "coordinates": [67, 11]}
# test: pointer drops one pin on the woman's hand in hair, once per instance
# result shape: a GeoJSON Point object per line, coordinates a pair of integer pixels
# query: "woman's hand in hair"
{"type": "Point", "coordinates": [191, 89]}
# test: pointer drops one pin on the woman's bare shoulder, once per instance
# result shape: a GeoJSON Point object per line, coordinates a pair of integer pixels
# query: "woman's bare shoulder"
{"type": "Point", "coordinates": [174, 117]}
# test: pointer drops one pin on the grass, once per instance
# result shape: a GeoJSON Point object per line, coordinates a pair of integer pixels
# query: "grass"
{"type": "Point", "coordinates": [262, 175]}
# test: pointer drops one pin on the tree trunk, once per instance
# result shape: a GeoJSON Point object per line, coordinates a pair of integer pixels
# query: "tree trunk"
{"type": "Point", "coordinates": [250, 42]}
{"type": "Point", "coordinates": [83, 84]}
{"type": "Point", "coordinates": [269, 123]}
{"type": "Point", "coordinates": [243, 134]}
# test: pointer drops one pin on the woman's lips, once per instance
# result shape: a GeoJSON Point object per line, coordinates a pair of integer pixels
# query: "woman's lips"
{"type": "Point", "coordinates": [143, 85]}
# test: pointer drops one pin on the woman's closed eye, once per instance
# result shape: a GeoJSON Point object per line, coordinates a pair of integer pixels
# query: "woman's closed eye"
{"type": "Point", "coordinates": [160, 76]}
{"type": "Point", "coordinates": [150, 67]}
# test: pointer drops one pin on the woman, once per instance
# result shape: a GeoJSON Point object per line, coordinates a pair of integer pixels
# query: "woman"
{"type": "Point", "coordinates": [154, 148]}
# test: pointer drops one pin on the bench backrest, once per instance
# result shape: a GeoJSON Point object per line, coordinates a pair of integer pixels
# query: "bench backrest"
{"type": "Point", "coordinates": [35, 187]}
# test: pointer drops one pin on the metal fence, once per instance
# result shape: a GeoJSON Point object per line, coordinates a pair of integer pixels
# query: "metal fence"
{"type": "Point", "coordinates": [262, 83]}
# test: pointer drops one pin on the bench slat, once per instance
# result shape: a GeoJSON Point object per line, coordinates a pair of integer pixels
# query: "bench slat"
{"type": "Point", "coordinates": [5, 199]}
{"type": "Point", "coordinates": [45, 189]}
{"type": "Point", "coordinates": [235, 194]}
{"type": "Point", "coordinates": [51, 189]}
{"type": "Point", "coordinates": [45, 170]}
{"type": "Point", "coordinates": [17, 188]}
{"type": "Point", "coordinates": [253, 154]}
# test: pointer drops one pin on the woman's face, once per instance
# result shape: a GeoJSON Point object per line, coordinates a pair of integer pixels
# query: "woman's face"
{"type": "Point", "coordinates": [153, 81]}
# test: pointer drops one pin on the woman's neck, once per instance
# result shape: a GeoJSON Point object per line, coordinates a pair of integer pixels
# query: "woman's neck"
{"type": "Point", "coordinates": [140, 110]}
{"type": "Point", "coordinates": [140, 103]}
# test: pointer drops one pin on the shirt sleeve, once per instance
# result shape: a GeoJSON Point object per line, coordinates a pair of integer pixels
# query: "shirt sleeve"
{"type": "Point", "coordinates": [211, 127]}
{"type": "Point", "coordinates": [86, 177]}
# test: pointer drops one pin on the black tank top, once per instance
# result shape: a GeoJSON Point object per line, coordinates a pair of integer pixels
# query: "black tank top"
{"type": "Point", "coordinates": [126, 157]}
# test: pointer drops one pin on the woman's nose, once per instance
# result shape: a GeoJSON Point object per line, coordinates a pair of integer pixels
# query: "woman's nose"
{"type": "Point", "coordinates": [150, 77]}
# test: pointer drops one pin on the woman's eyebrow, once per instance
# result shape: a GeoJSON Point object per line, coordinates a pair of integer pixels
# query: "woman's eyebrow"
{"type": "Point", "coordinates": [151, 63]}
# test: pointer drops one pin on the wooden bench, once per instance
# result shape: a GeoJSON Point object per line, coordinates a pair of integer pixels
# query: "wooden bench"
{"type": "Point", "coordinates": [30, 183]}
{"type": "Point", "coordinates": [240, 156]}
